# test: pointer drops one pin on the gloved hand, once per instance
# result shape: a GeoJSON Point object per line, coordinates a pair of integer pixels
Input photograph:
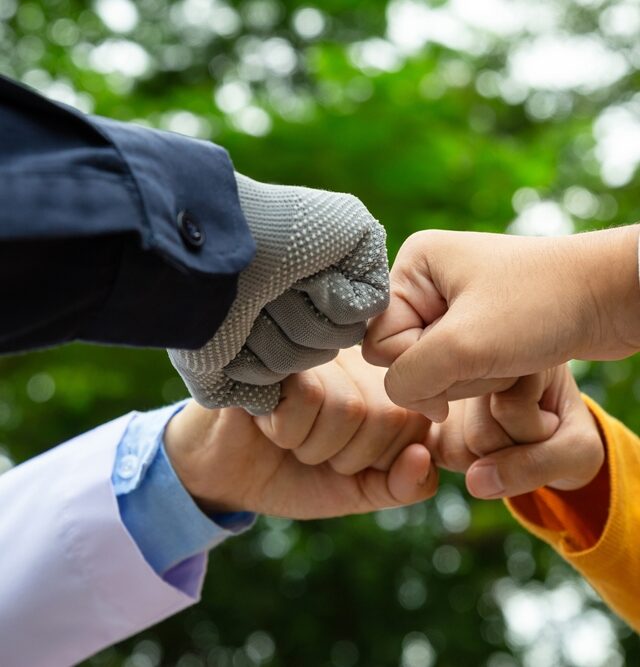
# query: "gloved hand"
{"type": "Point", "coordinates": [319, 273]}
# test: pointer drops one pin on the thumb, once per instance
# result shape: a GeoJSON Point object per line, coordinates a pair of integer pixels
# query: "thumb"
{"type": "Point", "coordinates": [566, 461]}
{"type": "Point", "coordinates": [415, 303]}
{"type": "Point", "coordinates": [411, 479]}
{"type": "Point", "coordinates": [421, 376]}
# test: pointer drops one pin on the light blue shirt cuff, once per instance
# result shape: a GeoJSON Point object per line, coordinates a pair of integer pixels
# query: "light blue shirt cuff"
{"type": "Point", "coordinates": [156, 509]}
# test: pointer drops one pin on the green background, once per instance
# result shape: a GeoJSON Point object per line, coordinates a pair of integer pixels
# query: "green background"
{"type": "Point", "coordinates": [434, 137]}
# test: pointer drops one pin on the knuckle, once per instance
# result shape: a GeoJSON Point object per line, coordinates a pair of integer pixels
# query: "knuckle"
{"type": "Point", "coordinates": [475, 442]}
{"type": "Point", "coordinates": [343, 466]}
{"type": "Point", "coordinates": [352, 409]}
{"type": "Point", "coordinates": [505, 408]}
{"type": "Point", "coordinates": [456, 459]}
{"type": "Point", "coordinates": [287, 440]}
{"type": "Point", "coordinates": [310, 391]}
{"type": "Point", "coordinates": [391, 417]}
{"type": "Point", "coordinates": [308, 456]}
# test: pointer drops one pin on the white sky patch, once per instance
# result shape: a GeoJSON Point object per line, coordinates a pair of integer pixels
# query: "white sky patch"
{"type": "Point", "coordinates": [59, 90]}
{"type": "Point", "coordinates": [566, 62]}
{"type": "Point", "coordinates": [526, 616]}
{"type": "Point", "coordinates": [546, 60]}
{"type": "Point", "coordinates": [621, 20]}
{"type": "Point", "coordinates": [309, 22]}
{"type": "Point", "coordinates": [545, 624]}
{"type": "Point", "coordinates": [544, 218]}
{"type": "Point", "coordinates": [506, 18]}
{"type": "Point", "coordinates": [417, 651]}
{"type": "Point", "coordinates": [252, 120]}
{"type": "Point", "coordinates": [591, 641]}
{"type": "Point", "coordinates": [617, 133]}
{"type": "Point", "coordinates": [375, 55]}
{"type": "Point", "coordinates": [211, 15]}
{"type": "Point", "coordinates": [117, 15]}
{"type": "Point", "coordinates": [412, 24]}
{"type": "Point", "coordinates": [233, 96]}
{"type": "Point", "coordinates": [589, 3]}
{"type": "Point", "coordinates": [279, 56]}
{"type": "Point", "coordinates": [225, 21]}
{"type": "Point", "coordinates": [580, 202]}
{"type": "Point", "coordinates": [185, 122]}
{"type": "Point", "coordinates": [465, 25]}
{"type": "Point", "coordinates": [121, 56]}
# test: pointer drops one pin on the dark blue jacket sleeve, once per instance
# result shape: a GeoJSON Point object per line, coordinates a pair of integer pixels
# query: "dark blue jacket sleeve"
{"type": "Point", "coordinates": [111, 232]}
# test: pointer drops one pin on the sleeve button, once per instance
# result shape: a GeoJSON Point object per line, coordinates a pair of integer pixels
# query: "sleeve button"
{"type": "Point", "coordinates": [128, 466]}
{"type": "Point", "coordinates": [190, 230]}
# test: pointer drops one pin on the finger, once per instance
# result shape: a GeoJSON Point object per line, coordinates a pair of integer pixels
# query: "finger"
{"type": "Point", "coordinates": [341, 415]}
{"type": "Point", "coordinates": [568, 460]}
{"type": "Point", "coordinates": [281, 355]}
{"type": "Point", "coordinates": [446, 442]}
{"type": "Point", "coordinates": [482, 433]}
{"type": "Point", "coordinates": [245, 367]}
{"type": "Point", "coordinates": [379, 440]}
{"type": "Point", "coordinates": [437, 408]}
{"type": "Point", "coordinates": [291, 422]}
{"type": "Point", "coordinates": [223, 392]}
{"type": "Point", "coordinates": [415, 430]}
{"type": "Point", "coordinates": [415, 304]}
{"type": "Point", "coordinates": [357, 286]}
{"type": "Point", "coordinates": [304, 324]}
{"type": "Point", "coordinates": [478, 387]}
{"type": "Point", "coordinates": [345, 300]}
{"type": "Point", "coordinates": [387, 429]}
{"type": "Point", "coordinates": [517, 410]}
{"type": "Point", "coordinates": [448, 352]}
{"type": "Point", "coordinates": [411, 479]}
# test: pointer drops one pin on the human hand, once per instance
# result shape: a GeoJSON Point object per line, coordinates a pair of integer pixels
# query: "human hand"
{"type": "Point", "coordinates": [536, 433]}
{"type": "Point", "coordinates": [319, 273]}
{"type": "Point", "coordinates": [470, 310]}
{"type": "Point", "coordinates": [335, 445]}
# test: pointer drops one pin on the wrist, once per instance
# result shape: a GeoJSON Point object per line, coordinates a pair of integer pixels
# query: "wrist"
{"type": "Point", "coordinates": [192, 445]}
{"type": "Point", "coordinates": [606, 269]}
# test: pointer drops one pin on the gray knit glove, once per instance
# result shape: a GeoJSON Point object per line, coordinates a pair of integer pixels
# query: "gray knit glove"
{"type": "Point", "coordinates": [319, 273]}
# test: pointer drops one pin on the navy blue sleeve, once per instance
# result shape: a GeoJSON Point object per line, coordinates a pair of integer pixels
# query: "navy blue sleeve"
{"type": "Point", "coordinates": [111, 232]}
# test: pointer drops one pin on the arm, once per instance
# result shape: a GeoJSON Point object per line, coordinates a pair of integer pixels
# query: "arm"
{"type": "Point", "coordinates": [91, 246]}
{"type": "Point", "coordinates": [595, 528]}
{"type": "Point", "coordinates": [97, 553]}
{"type": "Point", "coordinates": [568, 472]}
{"type": "Point", "coordinates": [115, 233]}
{"type": "Point", "coordinates": [76, 581]}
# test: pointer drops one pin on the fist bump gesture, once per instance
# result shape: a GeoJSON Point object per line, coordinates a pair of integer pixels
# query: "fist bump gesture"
{"type": "Point", "coordinates": [335, 445]}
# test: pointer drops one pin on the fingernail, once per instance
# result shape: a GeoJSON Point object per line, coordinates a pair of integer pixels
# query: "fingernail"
{"type": "Point", "coordinates": [483, 481]}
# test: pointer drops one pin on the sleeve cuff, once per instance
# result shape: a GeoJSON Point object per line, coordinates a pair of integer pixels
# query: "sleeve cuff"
{"type": "Point", "coordinates": [167, 203]}
{"type": "Point", "coordinates": [193, 240]}
{"type": "Point", "coordinates": [582, 522]}
{"type": "Point", "coordinates": [161, 516]}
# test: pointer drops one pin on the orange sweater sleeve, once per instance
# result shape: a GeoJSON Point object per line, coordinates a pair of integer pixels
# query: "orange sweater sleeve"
{"type": "Point", "coordinates": [597, 528]}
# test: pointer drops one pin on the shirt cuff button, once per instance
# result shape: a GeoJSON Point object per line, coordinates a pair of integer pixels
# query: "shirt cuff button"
{"type": "Point", "coordinates": [190, 230]}
{"type": "Point", "coordinates": [128, 466]}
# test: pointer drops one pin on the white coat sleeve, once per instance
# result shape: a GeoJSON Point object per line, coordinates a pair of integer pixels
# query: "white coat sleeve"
{"type": "Point", "coordinates": [72, 580]}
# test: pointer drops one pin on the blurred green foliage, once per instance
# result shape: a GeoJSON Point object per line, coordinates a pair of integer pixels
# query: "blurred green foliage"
{"type": "Point", "coordinates": [428, 136]}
